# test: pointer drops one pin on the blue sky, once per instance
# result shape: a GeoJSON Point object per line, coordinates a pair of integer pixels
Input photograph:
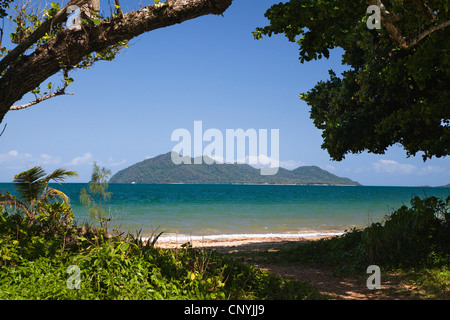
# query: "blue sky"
{"type": "Point", "coordinates": [209, 69]}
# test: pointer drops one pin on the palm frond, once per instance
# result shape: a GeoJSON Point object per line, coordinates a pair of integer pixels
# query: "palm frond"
{"type": "Point", "coordinates": [59, 175]}
{"type": "Point", "coordinates": [33, 183]}
{"type": "Point", "coordinates": [51, 193]}
{"type": "Point", "coordinates": [7, 199]}
{"type": "Point", "coordinates": [29, 183]}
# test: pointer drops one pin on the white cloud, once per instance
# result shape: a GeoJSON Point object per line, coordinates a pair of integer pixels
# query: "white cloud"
{"type": "Point", "coordinates": [113, 163]}
{"type": "Point", "coordinates": [291, 164]}
{"type": "Point", "coordinates": [4, 157]}
{"type": "Point", "coordinates": [260, 161]}
{"type": "Point", "coordinates": [13, 159]}
{"type": "Point", "coordinates": [49, 159]}
{"type": "Point", "coordinates": [431, 170]}
{"type": "Point", "coordinates": [393, 167]}
{"type": "Point", "coordinates": [84, 159]}
{"type": "Point", "coordinates": [13, 153]}
{"type": "Point", "coordinates": [217, 158]}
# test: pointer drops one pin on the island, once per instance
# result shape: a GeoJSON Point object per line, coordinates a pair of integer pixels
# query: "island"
{"type": "Point", "coordinates": [161, 170]}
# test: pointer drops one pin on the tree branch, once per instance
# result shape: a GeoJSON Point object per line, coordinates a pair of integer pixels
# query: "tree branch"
{"type": "Point", "coordinates": [119, 10]}
{"type": "Point", "coordinates": [45, 27]}
{"type": "Point", "coordinates": [425, 9]}
{"type": "Point", "coordinates": [60, 92]}
{"type": "Point", "coordinates": [69, 46]}
{"type": "Point", "coordinates": [4, 128]}
{"type": "Point", "coordinates": [388, 19]}
{"type": "Point", "coordinates": [1, 33]}
{"type": "Point", "coordinates": [427, 32]}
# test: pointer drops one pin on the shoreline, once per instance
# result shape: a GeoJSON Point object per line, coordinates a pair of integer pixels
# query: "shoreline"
{"type": "Point", "coordinates": [237, 240]}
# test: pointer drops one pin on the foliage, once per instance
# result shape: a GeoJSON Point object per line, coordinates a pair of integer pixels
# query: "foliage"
{"type": "Point", "coordinates": [409, 236]}
{"type": "Point", "coordinates": [30, 221]}
{"type": "Point", "coordinates": [429, 283]}
{"type": "Point", "coordinates": [388, 94]}
{"type": "Point", "coordinates": [97, 192]}
{"type": "Point", "coordinates": [125, 267]}
{"type": "Point", "coordinates": [35, 198]}
{"type": "Point", "coordinates": [26, 20]}
{"type": "Point", "coordinates": [4, 4]}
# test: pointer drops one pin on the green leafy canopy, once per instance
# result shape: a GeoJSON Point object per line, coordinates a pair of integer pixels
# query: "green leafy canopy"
{"type": "Point", "coordinates": [390, 94]}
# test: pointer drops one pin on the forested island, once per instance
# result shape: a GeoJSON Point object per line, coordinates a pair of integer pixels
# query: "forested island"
{"type": "Point", "coordinates": [161, 169]}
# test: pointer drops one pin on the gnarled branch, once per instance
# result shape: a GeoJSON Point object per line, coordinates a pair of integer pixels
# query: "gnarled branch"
{"type": "Point", "coordinates": [70, 46]}
{"type": "Point", "coordinates": [37, 34]}
{"type": "Point", "coordinates": [388, 19]}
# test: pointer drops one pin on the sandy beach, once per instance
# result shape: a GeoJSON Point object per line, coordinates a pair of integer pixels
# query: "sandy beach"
{"type": "Point", "coordinates": [238, 243]}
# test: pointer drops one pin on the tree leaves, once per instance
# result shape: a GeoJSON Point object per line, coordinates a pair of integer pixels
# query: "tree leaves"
{"type": "Point", "coordinates": [97, 193]}
{"type": "Point", "coordinates": [34, 194]}
{"type": "Point", "coordinates": [30, 183]}
{"type": "Point", "coordinates": [389, 95]}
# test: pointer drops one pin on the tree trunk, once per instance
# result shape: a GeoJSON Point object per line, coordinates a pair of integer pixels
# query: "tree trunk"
{"type": "Point", "coordinates": [69, 46]}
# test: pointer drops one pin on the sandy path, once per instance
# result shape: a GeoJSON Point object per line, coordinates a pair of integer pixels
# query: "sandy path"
{"type": "Point", "coordinates": [329, 285]}
{"type": "Point", "coordinates": [333, 287]}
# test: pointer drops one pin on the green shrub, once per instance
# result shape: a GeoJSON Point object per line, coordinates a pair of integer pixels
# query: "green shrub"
{"type": "Point", "coordinates": [34, 260]}
{"type": "Point", "coordinates": [118, 269]}
{"type": "Point", "coordinates": [409, 235]}
{"type": "Point", "coordinates": [415, 236]}
{"type": "Point", "coordinates": [339, 253]}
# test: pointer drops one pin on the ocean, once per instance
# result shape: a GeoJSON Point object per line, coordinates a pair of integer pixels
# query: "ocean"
{"type": "Point", "coordinates": [186, 211]}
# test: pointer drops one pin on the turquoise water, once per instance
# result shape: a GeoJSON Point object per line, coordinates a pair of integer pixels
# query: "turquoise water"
{"type": "Point", "coordinates": [261, 210]}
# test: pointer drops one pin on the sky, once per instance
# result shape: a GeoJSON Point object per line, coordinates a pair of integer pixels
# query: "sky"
{"type": "Point", "coordinates": [209, 69]}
